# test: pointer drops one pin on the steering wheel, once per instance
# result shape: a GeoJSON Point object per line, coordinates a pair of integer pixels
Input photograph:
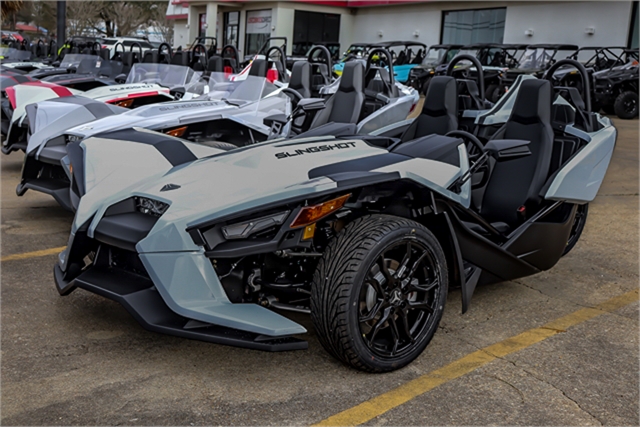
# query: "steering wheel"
{"type": "Point", "coordinates": [584, 89]}
{"type": "Point", "coordinates": [475, 148]}
{"type": "Point", "coordinates": [477, 64]}
{"type": "Point", "coordinates": [323, 52]}
{"type": "Point", "coordinates": [294, 93]}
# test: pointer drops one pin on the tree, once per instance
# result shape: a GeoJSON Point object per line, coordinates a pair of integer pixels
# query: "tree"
{"type": "Point", "coordinates": [122, 18]}
{"type": "Point", "coordinates": [43, 14]}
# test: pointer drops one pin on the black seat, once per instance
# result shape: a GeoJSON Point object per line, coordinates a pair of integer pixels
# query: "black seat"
{"type": "Point", "coordinates": [180, 58]}
{"type": "Point", "coordinates": [229, 65]}
{"type": "Point", "coordinates": [150, 57]}
{"type": "Point", "coordinates": [516, 184]}
{"type": "Point", "coordinates": [128, 59]}
{"type": "Point", "coordinates": [469, 95]}
{"type": "Point", "coordinates": [345, 105]}
{"type": "Point", "coordinates": [300, 79]}
{"type": "Point", "coordinates": [215, 64]}
{"type": "Point", "coordinates": [320, 76]}
{"type": "Point", "coordinates": [439, 112]}
{"type": "Point", "coordinates": [105, 53]}
{"type": "Point", "coordinates": [259, 68]}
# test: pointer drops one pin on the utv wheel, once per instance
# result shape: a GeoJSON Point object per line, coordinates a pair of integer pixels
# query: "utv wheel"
{"type": "Point", "coordinates": [626, 105]}
{"type": "Point", "coordinates": [378, 293]}
{"type": "Point", "coordinates": [577, 227]}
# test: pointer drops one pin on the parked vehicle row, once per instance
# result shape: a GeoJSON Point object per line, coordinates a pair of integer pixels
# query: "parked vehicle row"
{"type": "Point", "coordinates": [613, 70]}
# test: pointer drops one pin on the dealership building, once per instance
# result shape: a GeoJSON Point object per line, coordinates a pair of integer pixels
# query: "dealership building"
{"type": "Point", "coordinates": [247, 24]}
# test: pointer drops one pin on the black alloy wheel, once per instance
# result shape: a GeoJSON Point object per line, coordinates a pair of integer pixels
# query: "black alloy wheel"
{"type": "Point", "coordinates": [399, 298]}
{"type": "Point", "coordinates": [379, 292]}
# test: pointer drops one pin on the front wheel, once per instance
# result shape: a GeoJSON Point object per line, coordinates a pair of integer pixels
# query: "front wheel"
{"type": "Point", "coordinates": [379, 292]}
{"type": "Point", "coordinates": [577, 227]}
{"type": "Point", "coordinates": [626, 105]}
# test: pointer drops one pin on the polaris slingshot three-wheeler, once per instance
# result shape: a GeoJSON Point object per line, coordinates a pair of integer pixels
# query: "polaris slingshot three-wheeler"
{"type": "Point", "coordinates": [364, 233]}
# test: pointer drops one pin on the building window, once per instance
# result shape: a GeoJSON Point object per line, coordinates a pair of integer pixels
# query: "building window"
{"type": "Point", "coordinates": [231, 22]}
{"type": "Point", "coordinates": [633, 31]}
{"type": "Point", "coordinates": [258, 30]}
{"type": "Point", "coordinates": [202, 22]}
{"type": "Point", "coordinates": [473, 26]}
{"type": "Point", "coordinates": [313, 27]}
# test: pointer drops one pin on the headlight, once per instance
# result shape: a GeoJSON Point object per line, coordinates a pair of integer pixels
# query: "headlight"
{"type": "Point", "coordinates": [150, 206]}
{"type": "Point", "coordinates": [242, 230]}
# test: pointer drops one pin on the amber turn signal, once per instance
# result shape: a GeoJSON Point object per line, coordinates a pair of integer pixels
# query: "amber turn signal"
{"type": "Point", "coordinates": [126, 103]}
{"type": "Point", "coordinates": [310, 214]}
{"type": "Point", "coordinates": [309, 231]}
{"type": "Point", "coordinates": [177, 132]}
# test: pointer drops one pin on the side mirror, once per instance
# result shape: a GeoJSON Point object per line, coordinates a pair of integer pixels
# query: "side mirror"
{"type": "Point", "coordinates": [311, 104]}
{"type": "Point", "coordinates": [72, 69]}
{"type": "Point", "coordinates": [280, 119]}
{"type": "Point", "coordinates": [121, 78]}
{"type": "Point", "coordinates": [508, 149]}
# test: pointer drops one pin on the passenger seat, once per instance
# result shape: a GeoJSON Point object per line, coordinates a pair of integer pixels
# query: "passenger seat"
{"type": "Point", "coordinates": [345, 105]}
{"type": "Point", "coordinates": [439, 111]}
{"type": "Point", "coordinates": [513, 189]}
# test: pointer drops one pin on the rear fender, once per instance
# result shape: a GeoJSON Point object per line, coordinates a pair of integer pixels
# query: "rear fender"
{"type": "Point", "coordinates": [579, 180]}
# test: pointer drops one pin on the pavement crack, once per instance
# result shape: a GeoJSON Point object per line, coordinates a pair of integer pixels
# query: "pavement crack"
{"type": "Point", "coordinates": [542, 380]}
{"type": "Point", "coordinates": [510, 385]}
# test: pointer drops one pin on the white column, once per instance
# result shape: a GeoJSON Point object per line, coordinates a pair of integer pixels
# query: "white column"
{"type": "Point", "coordinates": [282, 19]}
{"type": "Point", "coordinates": [212, 19]}
{"type": "Point", "coordinates": [194, 24]}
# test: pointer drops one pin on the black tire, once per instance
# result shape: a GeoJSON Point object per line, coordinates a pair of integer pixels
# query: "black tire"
{"type": "Point", "coordinates": [412, 309]}
{"type": "Point", "coordinates": [494, 93]}
{"type": "Point", "coordinates": [626, 105]}
{"type": "Point", "coordinates": [577, 227]}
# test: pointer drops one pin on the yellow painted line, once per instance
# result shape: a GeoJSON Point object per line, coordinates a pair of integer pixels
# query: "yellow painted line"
{"type": "Point", "coordinates": [34, 254]}
{"type": "Point", "coordinates": [380, 404]}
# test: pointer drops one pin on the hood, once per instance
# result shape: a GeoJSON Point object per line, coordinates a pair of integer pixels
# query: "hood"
{"type": "Point", "coordinates": [150, 117]}
{"type": "Point", "coordinates": [50, 119]}
{"type": "Point", "coordinates": [28, 93]}
{"type": "Point", "coordinates": [245, 179]}
{"type": "Point", "coordinates": [227, 182]}
{"type": "Point", "coordinates": [110, 93]}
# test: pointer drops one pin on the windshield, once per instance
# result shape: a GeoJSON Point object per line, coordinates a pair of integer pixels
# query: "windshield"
{"type": "Point", "coordinates": [535, 59]}
{"type": "Point", "coordinates": [472, 52]}
{"type": "Point", "coordinates": [434, 56]}
{"type": "Point", "coordinates": [12, 53]}
{"type": "Point", "coordinates": [163, 74]}
{"type": "Point", "coordinates": [88, 62]}
{"type": "Point", "coordinates": [355, 50]}
{"type": "Point", "coordinates": [238, 92]}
